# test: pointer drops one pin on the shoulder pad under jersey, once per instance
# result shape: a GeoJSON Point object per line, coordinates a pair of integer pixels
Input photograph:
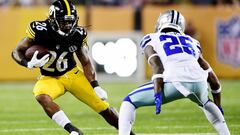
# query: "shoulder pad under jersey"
{"type": "Point", "coordinates": [82, 32]}
{"type": "Point", "coordinates": [145, 40]}
{"type": "Point", "coordinates": [35, 28]}
{"type": "Point", "coordinates": [197, 43]}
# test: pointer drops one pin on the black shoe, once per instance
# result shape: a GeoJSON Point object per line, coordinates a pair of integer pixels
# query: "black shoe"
{"type": "Point", "coordinates": [72, 129]}
{"type": "Point", "coordinates": [132, 133]}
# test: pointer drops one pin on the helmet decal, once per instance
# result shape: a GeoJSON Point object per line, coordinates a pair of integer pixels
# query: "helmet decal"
{"type": "Point", "coordinates": [68, 7]}
{"type": "Point", "coordinates": [172, 16]}
{"type": "Point", "coordinates": [51, 10]}
{"type": "Point", "coordinates": [177, 17]}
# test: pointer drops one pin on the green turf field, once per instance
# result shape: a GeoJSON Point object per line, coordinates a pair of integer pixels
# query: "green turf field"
{"type": "Point", "coordinates": [20, 114]}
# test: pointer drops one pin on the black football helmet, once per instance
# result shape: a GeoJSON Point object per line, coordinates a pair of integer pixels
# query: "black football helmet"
{"type": "Point", "coordinates": [63, 17]}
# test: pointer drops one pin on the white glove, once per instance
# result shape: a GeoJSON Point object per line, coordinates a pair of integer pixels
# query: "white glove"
{"type": "Point", "coordinates": [101, 93]}
{"type": "Point", "coordinates": [35, 62]}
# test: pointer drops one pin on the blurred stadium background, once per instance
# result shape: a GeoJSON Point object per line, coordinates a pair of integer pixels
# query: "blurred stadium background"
{"type": "Point", "coordinates": [115, 29]}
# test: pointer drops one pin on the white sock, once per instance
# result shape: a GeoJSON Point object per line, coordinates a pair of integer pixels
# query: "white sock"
{"type": "Point", "coordinates": [126, 118]}
{"type": "Point", "coordinates": [216, 118]}
{"type": "Point", "coordinates": [74, 133]}
{"type": "Point", "coordinates": [60, 118]}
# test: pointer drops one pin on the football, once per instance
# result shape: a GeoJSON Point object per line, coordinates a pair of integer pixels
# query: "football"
{"type": "Point", "coordinates": [41, 51]}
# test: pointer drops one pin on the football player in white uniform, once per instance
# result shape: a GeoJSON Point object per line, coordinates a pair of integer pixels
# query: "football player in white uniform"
{"type": "Point", "coordinates": [179, 71]}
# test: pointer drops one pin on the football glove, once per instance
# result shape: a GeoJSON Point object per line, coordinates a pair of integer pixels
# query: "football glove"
{"type": "Point", "coordinates": [221, 109]}
{"type": "Point", "coordinates": [35, 62]}
{"type": "Point", "coordinates": [158, 102]}
{"type": "Point", "coordinates": [101, 93]}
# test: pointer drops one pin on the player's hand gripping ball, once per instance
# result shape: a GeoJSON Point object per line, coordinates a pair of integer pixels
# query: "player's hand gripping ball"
{"type": "Point", "coordinates": [37, 56]}
{"type": "Point", "coordinates": [42, 51]}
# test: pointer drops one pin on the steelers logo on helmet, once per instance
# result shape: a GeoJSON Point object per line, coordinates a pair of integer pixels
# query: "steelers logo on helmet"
{"type": "Point", "coordinates": [171, 19]}
{"type": "Point", "coordinates": [63, 17]}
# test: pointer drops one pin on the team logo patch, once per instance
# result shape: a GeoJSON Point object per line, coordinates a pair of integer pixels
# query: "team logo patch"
{"type": "Point", "coordinates": [72, 48]}
{"type": "Point", "coordinates": [228, 41]}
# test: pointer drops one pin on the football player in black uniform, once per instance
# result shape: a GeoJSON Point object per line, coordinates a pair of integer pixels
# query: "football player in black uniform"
{"type": "Point", "coordinates": [63, 37]}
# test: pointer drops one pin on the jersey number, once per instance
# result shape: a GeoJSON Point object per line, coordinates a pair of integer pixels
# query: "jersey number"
{"type": "Point", "coordinates": [41, 26]}
{"type": "Point", "coordinates": [61, 63]}
{"type": "Point", "coordinates": [175, 45]}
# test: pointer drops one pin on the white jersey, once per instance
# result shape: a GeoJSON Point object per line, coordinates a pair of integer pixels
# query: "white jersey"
{"type": "Point", "coordinates": [179, 54]}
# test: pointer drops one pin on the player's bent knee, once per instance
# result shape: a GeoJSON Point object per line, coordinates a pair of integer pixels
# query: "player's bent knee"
{"type": "Point", "coordinates": [100, 106]}
{"type": "Point", "coordinates": [127, 98]}
{"type": "Point", "coordinates": [43, 99]}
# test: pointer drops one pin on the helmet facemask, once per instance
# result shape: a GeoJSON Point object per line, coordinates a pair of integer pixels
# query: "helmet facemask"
{"type": "Point", "coordinates": [66, 24]}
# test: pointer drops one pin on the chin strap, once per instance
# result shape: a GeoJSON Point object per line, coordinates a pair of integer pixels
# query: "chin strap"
{"type": "Point", "coordinates": [61, 33]}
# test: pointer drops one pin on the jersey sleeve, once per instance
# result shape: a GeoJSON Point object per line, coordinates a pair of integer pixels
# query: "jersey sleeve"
{"type": "Point", "coordinates": [197, 43]}
{"type": "Point", "coordinates": [197, 48]}
{"type": "Point", "coordinates": [146, 40]}
{"type": "Point", "coordinates": [30, 31]}
{"type": "Point", "coordinates": [83, 34]}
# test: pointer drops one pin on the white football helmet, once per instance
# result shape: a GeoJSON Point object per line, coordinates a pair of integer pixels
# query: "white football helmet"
{"type": "Point", "coordinates": [170, 19]}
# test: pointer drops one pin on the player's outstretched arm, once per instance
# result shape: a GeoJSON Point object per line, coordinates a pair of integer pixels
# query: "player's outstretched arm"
{"type": "Point", "coordinates": [213, 82]}
{"type": "Point", "coordinates": [157, 78]}
{"type": "Point", "coordinates": [19, 51]}
{"type": "Point", "coordinates": [90, 72]}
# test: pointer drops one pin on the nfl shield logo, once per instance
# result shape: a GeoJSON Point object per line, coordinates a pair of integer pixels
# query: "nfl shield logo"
{"type": "Point", "coordinates": [228, 41]}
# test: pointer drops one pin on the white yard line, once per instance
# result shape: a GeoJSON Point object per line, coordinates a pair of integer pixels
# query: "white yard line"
{"type": "Point", "coordinates": [26, 130]}
{"type": "Point", "coordinates": [105, 128]}
{"type": "Point", "coordinates": [183, 134]}
{"type": "Point", "coordinates": [54, 129]}
{"type": "Point", "coordinates": [46, 129]}
{"type": "Point", "coordinates": [23, 122]}
{"type": "Point", "coordinates": [109, 128]}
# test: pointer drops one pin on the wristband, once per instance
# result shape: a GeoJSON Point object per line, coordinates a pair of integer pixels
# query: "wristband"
{"type": "Point", "coordinates": [153, 55]}
{"type": "Point", "coordinates": [209, 70]}
{"type": "Point", "coordinates": [157, 76]}
{"type": "Point", "coordinates": [94, 83]}
{"type": "Point", "coordinates": [217, 91]}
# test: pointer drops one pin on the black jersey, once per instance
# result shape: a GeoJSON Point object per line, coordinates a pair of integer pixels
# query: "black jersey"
{"type": "Point", "coordinates": [61, 47]}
